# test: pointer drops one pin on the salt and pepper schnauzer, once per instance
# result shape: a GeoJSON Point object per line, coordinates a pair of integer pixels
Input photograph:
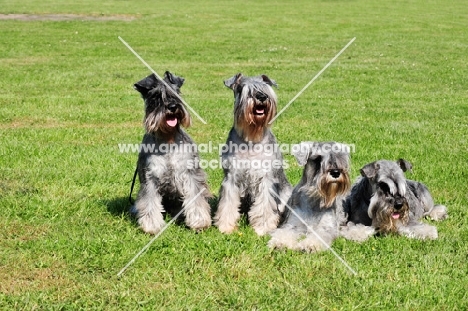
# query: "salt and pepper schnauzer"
{"type": "Point", "coordinates": [167, 182]}
{"type": "Point", "coordinates": [388, 202]}
{"type": "Point", "coordinates": [252, 167]}
{"type": "Point", "coordinates": [317, 199]}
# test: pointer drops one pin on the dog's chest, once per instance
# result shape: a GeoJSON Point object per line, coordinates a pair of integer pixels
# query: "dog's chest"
{"type": "Point", "coordinates": [168, 166]}
{"type": "Point", "coordinates": [252, 167]}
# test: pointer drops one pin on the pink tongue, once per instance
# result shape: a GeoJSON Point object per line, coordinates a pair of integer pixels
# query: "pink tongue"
{"type": "Point", "coordinates": [396, 215]}
{"type": "Point", "coordinates": [259, 111]}
{"type": "Point", "coordinates": [171, 122]}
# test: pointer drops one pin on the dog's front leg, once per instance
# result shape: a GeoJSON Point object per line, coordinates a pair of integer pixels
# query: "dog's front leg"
{"type": "Point", "coordinates": [228, 214]}
{"type": "Point", "coordinates": [264, 214]}
{"type": "Point", "coordinates": [195, 194]}
{"type": "Point", "coordinates": [148, 207]}
{"type": "Point", "coordinates": [418, 231]}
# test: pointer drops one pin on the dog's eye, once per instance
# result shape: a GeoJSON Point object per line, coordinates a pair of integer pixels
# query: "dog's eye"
{"type": "Point", "coordinates": [384, 187]}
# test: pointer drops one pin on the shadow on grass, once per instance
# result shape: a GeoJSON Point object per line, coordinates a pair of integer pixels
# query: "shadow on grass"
{"type": "Point", "coordinates": [213, 201]}
{"type": "Point", "coordinates": [119, 207]}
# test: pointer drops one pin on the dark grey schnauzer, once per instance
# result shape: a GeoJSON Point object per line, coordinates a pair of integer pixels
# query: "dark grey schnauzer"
{"type": "Point", "coordinates": [251, 160]}
{"type": "Point", "coordinates": [382, 200]}
{"type": "Point", "coordinates": [168, 179]}
{"type": "Point", "coordinates": [317, 201]}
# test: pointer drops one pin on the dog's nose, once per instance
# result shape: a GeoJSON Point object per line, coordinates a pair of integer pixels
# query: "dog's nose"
{"type": "Point", "coordinates": [261, 97]}
{"type": "Point", "coordinates": [335, 173]}
{"type": "Point", "coordinates": [172, 107]}
{"type": "Point", "coordinates": [398, 205]}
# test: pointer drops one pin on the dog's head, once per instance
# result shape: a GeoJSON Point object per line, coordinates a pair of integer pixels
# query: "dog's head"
{"type": "Point", "coordinates": [164, 111]}
{"type": "Point", "coordinates": [326, 171]}
{"type": "Point", "coordinates": [388, 205]}
{"type": "Point", "coordinates": [254, 105]}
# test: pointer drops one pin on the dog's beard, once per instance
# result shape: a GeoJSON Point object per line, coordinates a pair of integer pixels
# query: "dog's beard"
{"type": "Point", "coordinates": [166, 123]}
{"type": "Point", "coordinates": [252, 118]}
{"type": "Point", "coordinates": [153, 121]}
{"type": "Point", "coordinates": [329, 188]}
{"type": "Point", "coordinates": [385, 218]}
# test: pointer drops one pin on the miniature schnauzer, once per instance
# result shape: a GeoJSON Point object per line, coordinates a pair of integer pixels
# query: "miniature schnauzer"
{"type": "Point", "coordinates": [251, 160]}
{"type": "Point", "coordinates": [382, 199]}
{"type": "Point", "coordinates": [316, 202]}
{"type": "Point", "coordinates": [167, 180]}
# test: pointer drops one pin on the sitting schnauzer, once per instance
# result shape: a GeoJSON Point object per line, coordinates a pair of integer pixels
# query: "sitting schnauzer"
{"type": "Point", "coordinates": [166, 176]}
{"type": "Point", "coordinates": [316, 202]}
{"type": "Point", "coordinates": [252, 163]}
{"type": "Point", "coordinates": [385, 200]}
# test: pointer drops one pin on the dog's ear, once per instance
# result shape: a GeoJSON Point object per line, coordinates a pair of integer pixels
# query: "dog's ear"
{"type": "Point", "coordinates": [369, 170]}
{"type": "Point", "coordinates": [301, 153]}
{"type": "Point", "coordinates": [233, 81]}
{"type": "Point", "coordinates": [147, 84]}
{"type": "Point", "coordinates": [305, 151]}
{"type": "Point", "coordinates": [269, 81]}
{"type": "Point", "coordinates": [173, 79]}
{"type": "Point", "coordinates": [405, 165]}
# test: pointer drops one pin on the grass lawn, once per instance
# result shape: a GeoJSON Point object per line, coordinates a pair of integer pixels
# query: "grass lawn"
{"type": "Point", "coordinates": [66, 102]}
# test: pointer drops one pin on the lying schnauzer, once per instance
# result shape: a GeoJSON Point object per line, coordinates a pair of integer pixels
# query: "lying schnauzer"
{"type": "Point", "coordinates": [316, 202]}
{"type": "Point", "coordinates": [384, 199]}
{"type": "Point", "coordinates": [167, 180]}
{"type": "Point", "coordinates": [251, 160]}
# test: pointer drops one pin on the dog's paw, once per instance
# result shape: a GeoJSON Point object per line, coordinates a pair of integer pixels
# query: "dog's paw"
{"type": "Point", "coordinates": [262, 230]}
{"type": "Point", "coordinates": [439, 212]}
{"type": "Point", "coordinates": [284, 238]}
{"type": "Point", "coordinates": [151, 225]}
{"type": "Point", "coordinates": [198, 219]}
{"type": "Point", "coordinates": [201, 226]}
{"type": "Point", "coordinates": [226, 228]}
{"type": "Point", "coordinates": [426, 232]}
{"type": "Point", "coordinates": [263, 225]}
{"type": "Point", "coordinates": [358, 233]}
{"type": "Point", "coordinates": [311, 244]}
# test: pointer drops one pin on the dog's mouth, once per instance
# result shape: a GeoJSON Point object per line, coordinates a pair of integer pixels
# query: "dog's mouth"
{"type": "Point", "coordinates": [259, 110]}
{"type": "Point", "coordinates": [396, 215]}
{"type": "Point", "coordinates": [171, 120]}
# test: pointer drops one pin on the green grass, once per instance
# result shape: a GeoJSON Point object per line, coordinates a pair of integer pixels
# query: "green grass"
{"type": "Point", "coordinates": [66, 102]}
